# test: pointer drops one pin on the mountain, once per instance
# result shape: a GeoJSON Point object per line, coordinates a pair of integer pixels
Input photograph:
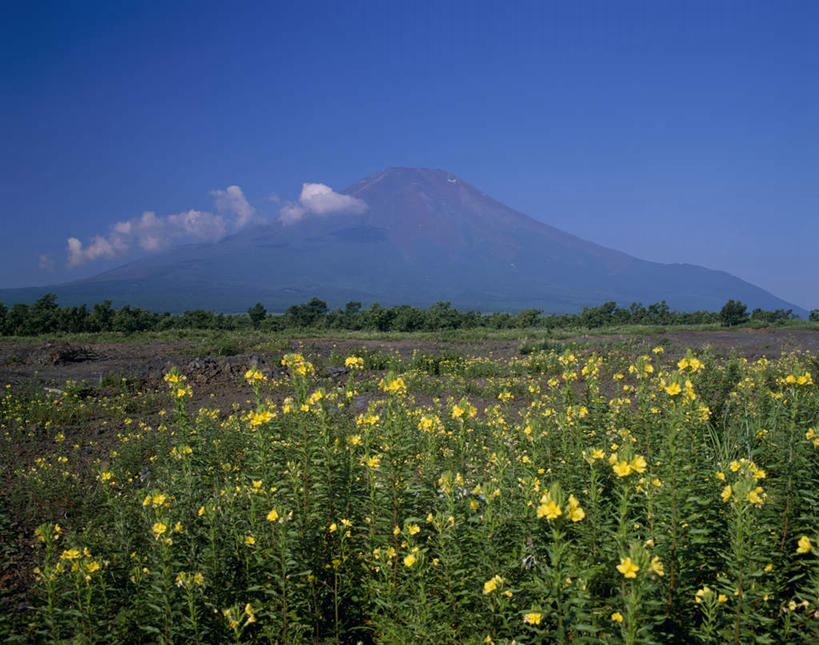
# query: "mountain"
{"type": "Point", "coordinates": [425, 236]}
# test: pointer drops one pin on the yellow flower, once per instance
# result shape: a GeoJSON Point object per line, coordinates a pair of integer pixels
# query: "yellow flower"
{"type": "Point", "coordinates": [673, 389]}
{"type": "Point", "coordinates": [734, 466]}
{"type": "Point", "coordinates": [804, 545]}
{"type": "Point", "coordinates": [70, 554]}
{"type": "Point", "coordinates": [158, 529]}
{"type": "Point", "coordinates": [628, 568]}
{"type": "Point", "coordinates": [622, 468]}
{"type": "Point", "coordinates": [722, 598]}
{"type": "Point", "coordinates": [260, 418]}
{"type": "Point", "coordinates": [333, 527]}
{"type": "Point", "coordinates": [576, 514]}
{"type": "Point", "coordinates": [254, 374]}
{"type": "Point", "coordinates": [638, 464]}
{"type": "Point", "coordinates": [549, 510]}
{"type": "Point", "coordinates": [617, 617]}
{"type": "Point", "coordinates": [198, 578]}
{"type": "Point", "coordinates": [297, 364]}
{"type": "Point", "coordinates": [657, 566]}
{"type": "Point", "coordinates": [532, 618]}
{"type": "Point", "coordinates": [409, 560]}
{"type": "Point", "coordinates": [413, 529]}
{"type": "Point", "coordinates": [354, 362]}
{"type": "Point", "coordinates": [395, 386]}
{"type": "Point", "coordinates": [492, 584]}
{"type": "Point", "coordinates": [273, 515]}
{"type": "Point", "coordinates": [726, 493]}
{"type": "Point", "coordinates": [249, 539]}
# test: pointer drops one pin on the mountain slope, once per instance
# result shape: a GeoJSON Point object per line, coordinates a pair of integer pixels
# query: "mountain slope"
{"type": "Point", "coordinates": [425, 236]}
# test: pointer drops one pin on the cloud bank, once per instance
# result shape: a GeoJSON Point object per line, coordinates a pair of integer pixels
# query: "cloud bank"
{"type": "Point", "coordinates": [150, 232]}
{"type": "Point", "coordinates": [320, 199]}
{"type": "Point", "coordinates": [232, 200]}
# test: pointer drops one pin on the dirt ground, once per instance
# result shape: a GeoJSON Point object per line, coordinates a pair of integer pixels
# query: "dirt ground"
{"type": "Point", "coordinates": [53, 362]}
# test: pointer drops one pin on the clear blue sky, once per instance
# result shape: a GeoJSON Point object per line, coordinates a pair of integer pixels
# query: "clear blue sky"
{"type": "Point", "coordinates": [674, 131]}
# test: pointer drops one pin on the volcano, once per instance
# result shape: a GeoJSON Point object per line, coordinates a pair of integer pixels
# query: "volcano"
{"type": "Point", "coordinates": [422, 237]}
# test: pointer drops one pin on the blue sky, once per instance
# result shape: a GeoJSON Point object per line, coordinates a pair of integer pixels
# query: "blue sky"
{"type": "Point", "coordinates": [674, 131]}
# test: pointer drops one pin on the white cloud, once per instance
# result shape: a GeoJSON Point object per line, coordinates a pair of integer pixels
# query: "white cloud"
{"type": "Point", "coordinates": [100, 247]}
{"type": "Point", "coordinates": [320, 199]}
{"type": "Point", "coordinates": [232, 200]}
{"type": "Point", "coordinates": [291, 213]}
{"type": "Point", "coordinates": [150, 232]}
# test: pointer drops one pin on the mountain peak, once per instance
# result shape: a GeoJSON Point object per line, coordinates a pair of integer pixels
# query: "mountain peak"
{"type": "Point", "coordinates": [425, 236]}
{"type": "Point", "coordinates": [403, 178]}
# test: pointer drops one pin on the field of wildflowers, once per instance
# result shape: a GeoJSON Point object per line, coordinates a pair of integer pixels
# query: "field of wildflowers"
{"type": "Point", "coordinates": [553, 497]}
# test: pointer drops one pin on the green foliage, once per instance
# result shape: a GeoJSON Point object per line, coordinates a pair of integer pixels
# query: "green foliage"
{"type": "Point", "coordinates": [45, 316]}
{"type": "Point", "coordinates": [257, 314]}
{"type": "Point", "coordinates": [307, 314]}
{"type": "Point", "coordinates": [733, 313]}
{"type": "Point", "coordinates": [637, 498]}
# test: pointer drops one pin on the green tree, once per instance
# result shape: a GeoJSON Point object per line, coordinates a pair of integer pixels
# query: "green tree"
{"type": "Point", "coordinates": [44, 315]}
{"type": "Point", "coordinates": [257, 314]}
{"type": "Point", "coordinates": [307, 314]}
{"type": "Point", "coordinates": [102, 316]}
{"type": "Point", "coordinates": [528, 318]}
{"type": "Point", "coordinates": [733, 313]}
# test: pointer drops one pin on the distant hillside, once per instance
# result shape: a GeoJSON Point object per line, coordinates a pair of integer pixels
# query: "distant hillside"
{"type": "Point", "coordinates": [425, 236]}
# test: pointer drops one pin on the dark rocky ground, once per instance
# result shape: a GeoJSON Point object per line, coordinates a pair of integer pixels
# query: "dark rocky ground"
{"type": "Point", "coordinates": [50, 363]}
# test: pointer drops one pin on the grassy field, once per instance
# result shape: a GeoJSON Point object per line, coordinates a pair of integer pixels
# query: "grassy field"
{"type": "Point", "coordinates": [561, 492]}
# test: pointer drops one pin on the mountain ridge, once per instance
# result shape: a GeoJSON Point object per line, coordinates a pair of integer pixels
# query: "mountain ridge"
{"type": "Point", "coordinates": [425, 236]}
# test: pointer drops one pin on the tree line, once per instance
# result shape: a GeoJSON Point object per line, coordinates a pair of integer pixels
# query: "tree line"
{"type": "Point", "coordinates": [45, 316]}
